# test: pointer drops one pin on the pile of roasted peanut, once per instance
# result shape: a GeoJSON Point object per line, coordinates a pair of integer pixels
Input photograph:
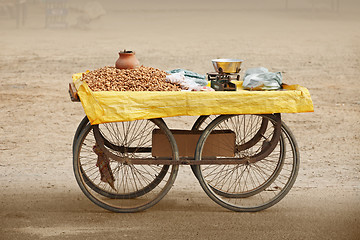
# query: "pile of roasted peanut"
{"type": "Point", "coordinates": [139, 79]}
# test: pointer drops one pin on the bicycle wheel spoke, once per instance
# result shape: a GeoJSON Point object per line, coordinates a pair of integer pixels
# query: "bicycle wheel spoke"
{"type": "Point", "coordinates": [256, 185]}
{"type": "Point", "coordinates": [114, 185]}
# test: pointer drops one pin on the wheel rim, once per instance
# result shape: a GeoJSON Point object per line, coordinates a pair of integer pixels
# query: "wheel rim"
{"type": "Point", "coordinates": [136, 187]}
{"type": "Point", "coordinates": [254, 186]}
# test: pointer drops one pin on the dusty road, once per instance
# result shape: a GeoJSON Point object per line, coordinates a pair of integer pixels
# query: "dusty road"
{"type": "Point", "coordinates": [319, 49]}
{"type": "Point", "coordinates": [303, 214]}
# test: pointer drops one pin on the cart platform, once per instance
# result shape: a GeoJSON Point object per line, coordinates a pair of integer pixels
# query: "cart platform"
{"type": "Point", "coordinates": [114, 106]}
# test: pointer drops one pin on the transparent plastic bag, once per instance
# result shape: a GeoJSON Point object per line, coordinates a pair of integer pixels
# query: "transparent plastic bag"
{"type": "Point", "coordinates": [186, 83]}
{"type": "Point", "coordinates": [196, 77]}
{"type": "Point", "coordinates": [261, 79]}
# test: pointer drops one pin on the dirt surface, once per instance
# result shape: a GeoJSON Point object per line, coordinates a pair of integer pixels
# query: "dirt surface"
{"type": "Point", "coordinates": [314, 44]}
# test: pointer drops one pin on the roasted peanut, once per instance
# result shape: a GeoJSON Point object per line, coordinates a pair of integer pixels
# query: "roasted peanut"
{"type": "Point", "coordinates": [141, 79]}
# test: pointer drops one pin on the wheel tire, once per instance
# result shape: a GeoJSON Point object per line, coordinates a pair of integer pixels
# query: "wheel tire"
{"type": "Point", "coordinates": [104, 192]}
{"type": "Point", "coordinates": [249, 187]}
{"type": "Point", "coordinates": [138, 186]}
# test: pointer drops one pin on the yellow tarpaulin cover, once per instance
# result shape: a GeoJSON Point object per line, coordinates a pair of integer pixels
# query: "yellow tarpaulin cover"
{"type": "Point", "coordinates": [114, 106]}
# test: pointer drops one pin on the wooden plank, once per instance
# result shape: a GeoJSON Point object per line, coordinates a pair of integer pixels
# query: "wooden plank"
{"type": "Point", "coordinates": [73, 93]}
{"type": "Point", "coordinates": [219, 143]}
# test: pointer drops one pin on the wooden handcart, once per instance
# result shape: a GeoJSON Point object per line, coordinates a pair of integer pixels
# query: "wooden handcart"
{"type": "Point", "coordinates": [128, 163]}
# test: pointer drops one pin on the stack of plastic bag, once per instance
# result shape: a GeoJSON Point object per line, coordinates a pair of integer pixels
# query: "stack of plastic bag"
{"type": "Point", "coordinates": [197, 78]}
{"type": "Point", "coordinates": [261, 79]}
{"type": "Point", "coordinates": [189, 81]}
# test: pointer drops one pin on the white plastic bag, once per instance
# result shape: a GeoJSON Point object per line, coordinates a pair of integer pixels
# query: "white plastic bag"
{"type": "Point", "coordinates": [186, 83]}
{"type": "Point", "coordinates": [261, 79]}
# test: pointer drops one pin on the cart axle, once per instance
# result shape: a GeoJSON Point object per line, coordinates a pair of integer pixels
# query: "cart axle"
{"type": "Point", "coordinates": [183, 161]}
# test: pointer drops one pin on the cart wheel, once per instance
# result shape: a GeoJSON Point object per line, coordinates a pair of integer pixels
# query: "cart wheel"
{"type": "Point", "coordinates": [112, 146]}
{"type": "Point", "coordinates": [254, 133]}
{"type": "Point", "coordinates": [250, 186]}
{"type": "Point", "coordinates": [252, 138]}
{"type": "Point", "coordinates": [123, 187]}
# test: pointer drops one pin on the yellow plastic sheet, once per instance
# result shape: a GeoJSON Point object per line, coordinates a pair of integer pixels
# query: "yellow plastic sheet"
{"type": "Point", "coordinates": [114, 106]}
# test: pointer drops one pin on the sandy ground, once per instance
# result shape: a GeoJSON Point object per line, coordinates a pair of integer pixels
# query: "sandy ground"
{"type": "Point", "coordinates": [314, 45]}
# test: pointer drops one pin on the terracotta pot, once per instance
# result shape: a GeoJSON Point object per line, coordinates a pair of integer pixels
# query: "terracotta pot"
{"type": "Point", "coordinates": [127, 60]}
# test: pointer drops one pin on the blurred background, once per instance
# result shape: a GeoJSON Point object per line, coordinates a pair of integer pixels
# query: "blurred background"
{"type": "Point", "coordinates": [314, 43]}
{"type": "Point", "coordinates": [226, 26]}
{"type": "Point", "coordinates": [84, 13]}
